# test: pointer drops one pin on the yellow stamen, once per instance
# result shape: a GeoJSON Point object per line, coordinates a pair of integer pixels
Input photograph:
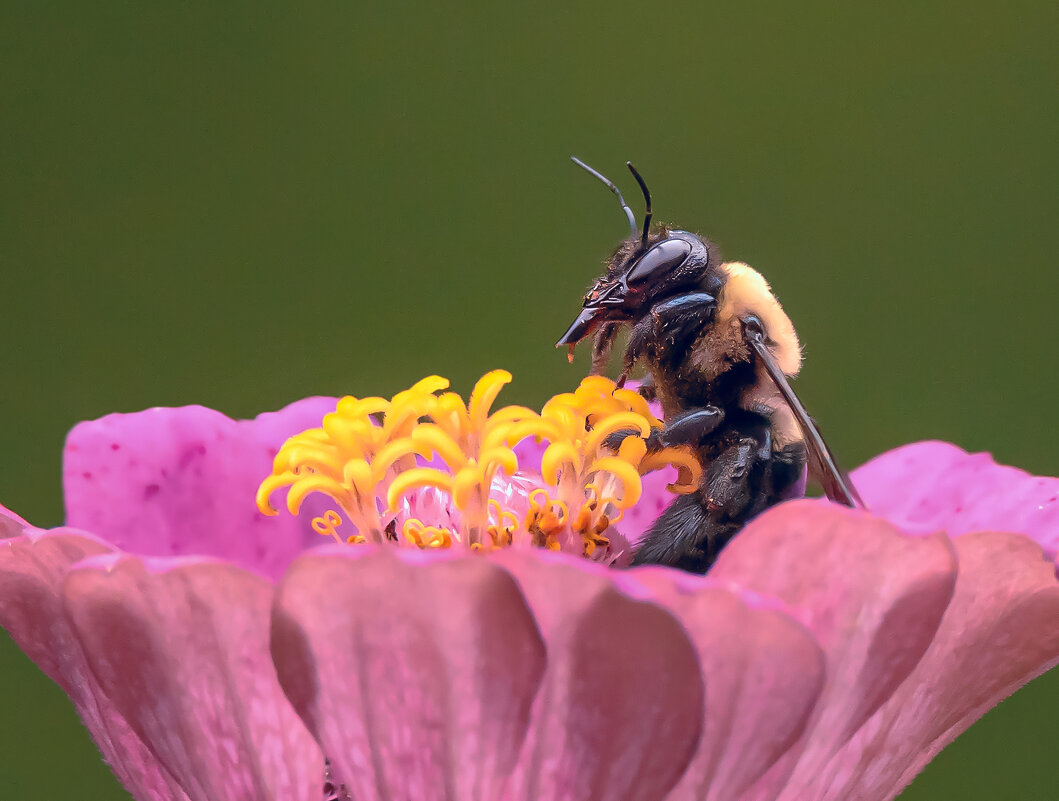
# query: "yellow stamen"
{"type": "Point", "coordinates": [365, 458]}
{"type": "Point", "coordinates": [416, 477]}
{"type": "Point", "coordinates": [690, 471]}
{"type": "Point", "coordinates": [560, 456]}
{"type": "Point", "coordinates": [327, 524]}
{"type": "Point", "coordinates": [483, 396]}
{"type": "Point", "coordinates": [427, 536]}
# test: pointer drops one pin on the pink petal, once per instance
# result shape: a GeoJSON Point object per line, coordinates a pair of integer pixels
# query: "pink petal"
{"type": "Point", "coordinates": [873, 598]}
{"type": "Point", "coordinates": [414, 671]}
{"type": "Point", "coordinates": [619, 712]}
{"type": "Point", "coordinates": [31, 571]}
{"type": "Point", "coordinates": [764, 673]}
{"type": "Point", "coordinates": [11, 525]}
{"type": "Point", "coordinates": [166, 482]}
{"type": "Point", "coordinates": [934, 486]}
{"type": "Point", "coordinates": [181, 648]}
{"type": "Point", "coordinates": [1000, 631]}
{"type": "Point", "coordinates": [637, 521]}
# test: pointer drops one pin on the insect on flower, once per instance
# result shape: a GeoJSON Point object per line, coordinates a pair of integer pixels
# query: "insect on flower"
{"type": "Point", "coordinates": [461, 635]}
{"type": "Point", "coordinates": [718, 349]}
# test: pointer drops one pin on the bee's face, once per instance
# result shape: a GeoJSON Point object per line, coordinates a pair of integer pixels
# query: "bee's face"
{"type": "Point", "coordinates": [634, 282]}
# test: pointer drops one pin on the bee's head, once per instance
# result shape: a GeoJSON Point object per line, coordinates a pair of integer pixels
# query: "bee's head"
{"type": "Point", "coordinates": [646, 267]}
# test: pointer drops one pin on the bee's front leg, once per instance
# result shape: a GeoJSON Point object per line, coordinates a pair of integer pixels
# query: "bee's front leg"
{"type": "Point", "coordinates": [670, 328]}
{"type": "Point", "coordinates": [688, 429]}
{"type": "Point", "coordinates": [691, 428]}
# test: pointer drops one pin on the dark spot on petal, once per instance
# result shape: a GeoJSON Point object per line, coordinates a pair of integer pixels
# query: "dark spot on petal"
{"type": "Point", "coordinates": [115, 446]}
{"type": "Point", "coordinates": [150, 491]}
{"type": "Point", "coordinates": [190, 455]}
{"type": "Point", "coordinates": [86, 476]}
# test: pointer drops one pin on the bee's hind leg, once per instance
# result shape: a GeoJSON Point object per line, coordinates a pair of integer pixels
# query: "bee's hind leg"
{"type": "Point", "coordinates": [743, 477]}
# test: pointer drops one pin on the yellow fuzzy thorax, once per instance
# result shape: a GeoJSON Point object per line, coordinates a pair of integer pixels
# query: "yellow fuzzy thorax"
{"type": "Point", "coordinates": [747, 291]}
{"type": "Point", "coordinates": [364, 457]}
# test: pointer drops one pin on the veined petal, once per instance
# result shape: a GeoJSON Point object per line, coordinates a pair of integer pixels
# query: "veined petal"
{"type": "Point", "coordinates": [1000, 631]}
{"type": "Point", "coordinates": [872, 597]}
{"type": "Point", "coordinates": [619, 711]}
{"type": "Point", "coordinates": [32, 568]}
{"type": "Point", "coordinates": [181, 649]}
{"type": "Point", "coordinates": [422, 687]}
{"type": "Point", "coordinates": [764, 672]}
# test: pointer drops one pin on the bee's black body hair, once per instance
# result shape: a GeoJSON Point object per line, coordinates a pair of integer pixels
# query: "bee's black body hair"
{"type": "Point", "coordinates": [718, 350]}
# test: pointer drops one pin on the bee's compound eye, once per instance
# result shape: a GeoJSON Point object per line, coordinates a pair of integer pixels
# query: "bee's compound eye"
{"type": "Point", "coordinates": [659, 261]}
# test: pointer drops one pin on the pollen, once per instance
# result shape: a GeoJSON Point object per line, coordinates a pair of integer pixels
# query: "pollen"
{"type": "Point", "coordinates": [425, 469]}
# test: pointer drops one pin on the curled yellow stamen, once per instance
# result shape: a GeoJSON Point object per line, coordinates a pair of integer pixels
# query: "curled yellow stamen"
{"type": "Point", "coordinates": [427, 536]}
{"type": "Point", "coordinates": [614, 423]}
{"type": "Point", "coordinates": [327, 524]}
{"type": "Point", "coordinates": [690, 470]}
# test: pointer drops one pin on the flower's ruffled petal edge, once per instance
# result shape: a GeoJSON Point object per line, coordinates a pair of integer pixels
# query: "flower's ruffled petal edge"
{"type": "Point", "coordinates": [180, 648]}
{"type": "Point", "coordinates": [763, 672]}
{"type": "Point", "coordinates": [32, 567]}
{"type": "Point", "coordinates": [11, 525]}
{"type": "Point", "coordinates": [934, 486]}
{"type": "Point", "coordinates": [619, 712]}
{"type": "Point", "coordinates": [416, 672]}
{"type": "Point", "coordinates": [873, 598]}
{"type": "Point", "coordinates": [1000, 631]}
{"type": "Point", "coordinates": [175, 481]}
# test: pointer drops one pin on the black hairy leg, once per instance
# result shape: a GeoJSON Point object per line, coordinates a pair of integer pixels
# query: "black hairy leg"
{"type": "Point", "coordinates": [669, 328]}
{"type": "Point", "coordinates": [692, 428]}
{"type": "Point", "coordinates": [743, 477]}
{"type": "Point", "coordinates": [601, 346]}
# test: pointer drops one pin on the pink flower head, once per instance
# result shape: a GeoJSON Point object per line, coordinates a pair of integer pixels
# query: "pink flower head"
{"type": "Point", "coordinates": [214, 655]}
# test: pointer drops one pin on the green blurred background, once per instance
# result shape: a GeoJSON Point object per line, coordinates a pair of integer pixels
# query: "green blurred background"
{"type": "Point", "coordinates": [239, 204]}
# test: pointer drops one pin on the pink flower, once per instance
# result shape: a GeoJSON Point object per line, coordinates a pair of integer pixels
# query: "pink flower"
{"type": "Point", "coordinates": [828, 655]}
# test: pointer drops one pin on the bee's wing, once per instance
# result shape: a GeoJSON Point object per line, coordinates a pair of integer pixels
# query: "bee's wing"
{"type": "Point", "coordinates": [822, 462]}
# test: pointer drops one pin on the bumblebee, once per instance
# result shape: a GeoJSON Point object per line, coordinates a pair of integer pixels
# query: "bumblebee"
{"type": "Point", "coordinates": [718, 350]}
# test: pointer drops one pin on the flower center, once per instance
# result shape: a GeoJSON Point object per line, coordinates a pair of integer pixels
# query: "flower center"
{"type": "Point", "coordinates": [429, 470]}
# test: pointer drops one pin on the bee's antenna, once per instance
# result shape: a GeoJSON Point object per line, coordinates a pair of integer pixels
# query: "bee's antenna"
{"type": "Point", "coordinates": [610, 185]}
{"type": "Point", "coordinates": [647, 199]}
